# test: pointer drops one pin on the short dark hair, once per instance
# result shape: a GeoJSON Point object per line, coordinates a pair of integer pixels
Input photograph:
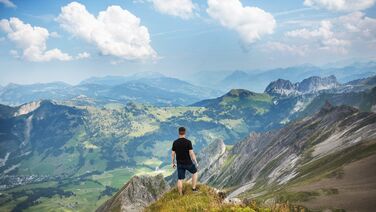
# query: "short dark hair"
{"type": "Point", "coordinates": [181, 131]}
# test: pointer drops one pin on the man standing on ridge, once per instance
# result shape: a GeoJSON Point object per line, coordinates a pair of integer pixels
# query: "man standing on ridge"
{"type": "Point", "coordinates": [182, 149]}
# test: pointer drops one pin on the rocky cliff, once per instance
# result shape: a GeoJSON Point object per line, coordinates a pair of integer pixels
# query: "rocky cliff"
{"type": "Point", "coordinates": [136, 194]}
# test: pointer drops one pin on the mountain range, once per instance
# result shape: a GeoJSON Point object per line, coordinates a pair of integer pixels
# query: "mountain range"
{"type": "Point", "coordinates": [257, 80]}
{"type": "Point", "coordinates": [149, 88]}
{"type": "Point", "coordinates": [88, 146]}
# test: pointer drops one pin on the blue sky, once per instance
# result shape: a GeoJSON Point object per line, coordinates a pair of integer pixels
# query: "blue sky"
{"type": "Point", "coordinates": [42, 40]}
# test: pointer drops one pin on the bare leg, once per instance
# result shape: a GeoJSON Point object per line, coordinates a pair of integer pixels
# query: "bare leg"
{"type": "Point", "coordinates": [180, 187]}
{"type": "Point", "coordinates": [194, 180]}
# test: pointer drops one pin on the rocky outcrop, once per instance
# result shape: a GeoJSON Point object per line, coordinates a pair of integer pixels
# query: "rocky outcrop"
{"type": "Point", "coordinates": [211, 160]}
{"type": "Point", "coordinates": [136, 194]}
{"type": "Point", "coordinates": [27, 108]}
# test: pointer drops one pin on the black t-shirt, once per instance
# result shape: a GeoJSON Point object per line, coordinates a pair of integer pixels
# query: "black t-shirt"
{"type": "Point", "coordinates": [181, 147]}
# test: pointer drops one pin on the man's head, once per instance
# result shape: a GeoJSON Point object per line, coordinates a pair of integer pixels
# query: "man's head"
{"type": "Point", "coordinates": [181, 131]}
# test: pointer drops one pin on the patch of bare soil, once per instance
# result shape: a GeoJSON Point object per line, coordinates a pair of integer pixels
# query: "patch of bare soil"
{"type": "Point", "coordinates": [356, 188]}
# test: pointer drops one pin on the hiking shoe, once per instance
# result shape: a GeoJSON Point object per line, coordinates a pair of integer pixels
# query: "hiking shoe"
{"type": "Point", "coordinates": [194, 189]}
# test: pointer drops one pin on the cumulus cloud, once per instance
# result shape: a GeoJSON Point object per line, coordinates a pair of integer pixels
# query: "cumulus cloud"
{"type": "Point", "coordinates": [31, 40]}
{"type": "Point", "coordinates": [8, 3]}
{"type": "Point", "coordinates": [179, 8]}
{"type": "Point", "coordinates": [324, 35]}
{"type": "Point", "coordinates": [341, 35]}
{"type": "Point", "coordinates": [341, 5]}
{"type": "Point", "coordinates": [249, 22]}
{"type": "Point", "coordinates": [358, 24]}
{"type": "Point", "coordinates": [115, 31]}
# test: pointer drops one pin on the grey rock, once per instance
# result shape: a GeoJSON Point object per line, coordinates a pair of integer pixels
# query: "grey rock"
{"type": "Point", "coordinates": [136, 194]}
{"type": "Point", "coordinates": [273, 158]}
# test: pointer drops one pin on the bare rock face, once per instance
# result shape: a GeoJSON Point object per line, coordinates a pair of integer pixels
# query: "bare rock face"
{"type": "Point", "coordinates": [281, 87]}
{"type": "Point", "coordinates": [313, 84]}
{"type": "Point", "coordinates": [211, 160]}
{"type": "Point", "coordinates": [272, 159]}
{"type": "Point", "coordinates": [136, 194]}
{"type": "Point", "coordinates": [27, 108]}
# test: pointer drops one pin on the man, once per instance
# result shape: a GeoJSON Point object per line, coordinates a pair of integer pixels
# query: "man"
{"type": "Point", "coordinates": [182, 149]}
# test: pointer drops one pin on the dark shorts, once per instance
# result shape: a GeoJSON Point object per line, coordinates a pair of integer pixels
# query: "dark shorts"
{"type": "Point", "coordinates": [181, 170]}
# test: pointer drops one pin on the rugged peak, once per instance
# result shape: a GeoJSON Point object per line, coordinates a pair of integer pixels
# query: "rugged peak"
{"type": "Point", "coordinates": [240, 93]}
{"type": "Point", "coordinates": [315, 83]}
{"type": "Point", "coordinates": [312, 84]}
{"type": "Point", "coordinates": [136, 194]}
{"type": "Point", "coordinates": [280, 87]}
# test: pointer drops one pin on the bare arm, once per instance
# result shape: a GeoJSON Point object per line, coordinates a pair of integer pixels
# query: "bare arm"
{"type": "Point", "coordinates": [193, 156]}
{"type": "Point", "coordinates": [173, 159]}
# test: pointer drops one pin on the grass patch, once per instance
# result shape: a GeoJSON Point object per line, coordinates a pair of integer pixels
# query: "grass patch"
{"type": "Point", "coordinates": [302, 196]}
{"type": "Point", "coordinates": [208, 200]}
{"type": "Point", "coordinates": [324, 167]}
{"type": "Point", "coordinates": [205, 199]}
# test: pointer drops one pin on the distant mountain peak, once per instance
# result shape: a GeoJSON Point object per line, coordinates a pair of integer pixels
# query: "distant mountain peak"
{"type": "Point", "coordinates": [281, 87]}
{"type": "Point", "coordinates": [148, 74]}
{"type": "Point", "coordinates": [311, 84]}
{"type": "Point", "coordinates": [240, 93]}
{"type": "Point", "coordinates": [235, 76]}
{"type": "Point", "coordinates": [315, 83]}
{"type": "Point", "coordinates": [238, 72]}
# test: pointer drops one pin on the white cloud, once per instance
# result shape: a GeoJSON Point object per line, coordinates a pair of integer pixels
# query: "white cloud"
{"type": "Point", "coordinates": [249, 22]}
{"type": "Point", "coordinates": [341, 5]}
{"type": "Point", "coordinates": [286, 48]}
{"type": "Point", "coordinates": [8, 3]}
{"type": "Point", "coordinates": [83, 55]}
{"type": "Point", "coordinates": [114, 31]}
{"type": "Point", "coordinates": [323, 35]}
{"type": "Point", "coordinates": [354, 32]}
{"type": "Point", "coordinates": [32, 40]}
{"type": "Point", "coordinates": [357, 23]}
{"type": "Point", "coordinates": [180, 8]}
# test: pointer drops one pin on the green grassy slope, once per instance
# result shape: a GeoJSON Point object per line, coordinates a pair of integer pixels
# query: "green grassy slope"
{"type": "Point", "coordinates": [207, 199]}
